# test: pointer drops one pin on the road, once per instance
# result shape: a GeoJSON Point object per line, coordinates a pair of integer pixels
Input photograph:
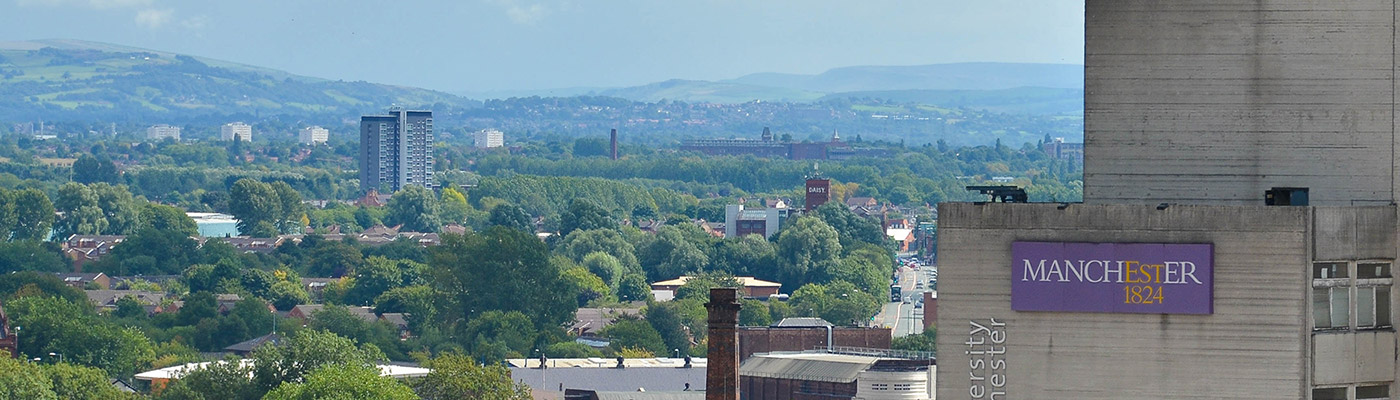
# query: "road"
{"type": "Point", "coordinates": [905, 319]}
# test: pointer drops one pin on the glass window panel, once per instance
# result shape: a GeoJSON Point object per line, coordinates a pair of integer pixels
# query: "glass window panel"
{"type": "Point", "coordinates": [1382, 305]}
{"type": "Point", "coordinates": [1329, 270]}
{"type": "Point", "coordinates": [1373, 270]}
{"type": "Point", "coordinates": [1365, 307]}
{"type": "Point", "coordinates": [1340, 304]}
{"type": "Point", "coordinates": [1322, 309]}
{"type": "Point", "coordinates": [1330, 394]}
{"type": "Point", "coordinates": [1373, 392]}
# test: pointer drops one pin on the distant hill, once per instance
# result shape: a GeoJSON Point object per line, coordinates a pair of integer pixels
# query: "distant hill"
{"type": "Point", "coordinates": [88, 80]}
{"type": "Point", "coordinates": [1000, 87]}
{"type": "Point", "coordinates": [962, 76]}
{"type": "Point", "coordinates": [711, 92]}
{"type": "Point", "coordinates": [1021, 100]}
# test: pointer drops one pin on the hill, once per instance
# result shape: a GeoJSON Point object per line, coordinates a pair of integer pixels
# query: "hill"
{"type": "Point", "coordinates": [118, 83]}
{"type": "Point", "coordinates": [998, 87]}
{"type": "Point", "coordinates": [1021, 100]}
{"type": "Point", "coordinates": [961, 76]}
{"type": "Point", "coordinates": [711, 92]}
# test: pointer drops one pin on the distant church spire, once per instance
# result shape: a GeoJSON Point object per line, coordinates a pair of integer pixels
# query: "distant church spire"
{"type": "Point", "coordinates": [835, 136]}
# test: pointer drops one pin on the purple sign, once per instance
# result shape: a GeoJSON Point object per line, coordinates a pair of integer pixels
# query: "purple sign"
{"type": "Point", "coordinates": [1150, 278]}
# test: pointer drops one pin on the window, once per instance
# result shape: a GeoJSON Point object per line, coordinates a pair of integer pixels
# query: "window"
{"type": "Point", "coordinates": [1336, 295]}
{"type": "Point", "coordinates": [1330, 394]}
{"type": "Point", "coordinates": [1372, 392]}
{"type": "Point", "coordinates": [1331, 296]}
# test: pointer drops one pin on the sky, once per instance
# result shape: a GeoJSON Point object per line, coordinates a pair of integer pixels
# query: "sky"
{"type": "Point", "coordinates": [489, 45]}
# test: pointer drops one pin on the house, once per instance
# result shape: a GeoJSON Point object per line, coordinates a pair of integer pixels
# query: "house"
{"type": "Point", "coordinates": [81, 280]}
{"type": "Point", "coordinates": [854, 202]}
{"type": "Point", "coordinates": [591, 320]}
{"type": "Point", "coordinates": [9, 344]}
{"type": "Point", "coordinates": [316, 286]}
{"type": "Point", "coordinates": [226, 301]}
{"type": "Point", "coordinates": [251, 244]}
{"type": "Point", "coordinates": [83, 249]}
{"type": "Point", "coordinates": [304, 312]}
{"type": "Point", "coordinates": [107, 300]}
{"type": "Point", "coordinates": [903, 237]}
{"type": "Point", "coordinates": [246, 347]}
{"type": "Point", "coordinates": [374, 199]}
{"type": "Point", "coordinates": [753, 287]}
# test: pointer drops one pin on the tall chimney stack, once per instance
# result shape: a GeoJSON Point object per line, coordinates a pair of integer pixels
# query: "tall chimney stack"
{"type": "Point", "coordinates": [614, 144]}
{"type": "Point", "coordinates": [722, 372]}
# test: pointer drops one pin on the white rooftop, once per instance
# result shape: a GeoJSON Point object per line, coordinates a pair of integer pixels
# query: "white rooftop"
{"type": "Point", "coordinates": [175, 372]}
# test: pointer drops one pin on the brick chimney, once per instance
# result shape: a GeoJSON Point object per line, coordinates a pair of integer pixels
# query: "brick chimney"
{"type": "Point", "coordinates": [613, 141]}
{"type": "Point", "coordinates": [722, 372]}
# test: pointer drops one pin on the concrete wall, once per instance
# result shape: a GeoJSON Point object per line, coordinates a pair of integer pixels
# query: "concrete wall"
{"type": "Point", "coordinates": [1254, 345]}
{"type": "Point", "coordinates": [1216, 101]}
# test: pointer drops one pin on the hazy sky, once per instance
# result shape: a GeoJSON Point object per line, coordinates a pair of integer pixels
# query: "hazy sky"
{"type": "Point", "coordinates": [480, 45]}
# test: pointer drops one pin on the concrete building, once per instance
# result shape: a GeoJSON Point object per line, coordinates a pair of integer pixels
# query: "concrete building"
{"type": "Point", "coordinates": [162, 131]}
{"type": "Point", "coordinates": [831, 376]}
{"type": "Point", "coordinates": [739, 221]}
{"type": "Point", "coordinates": [236, 131]}
{"type": "Point", "coordinates": [313, 135]}
{"type": "Point", "coordinates": [1238, 228]}
{"type": "Point", "coordinates": [396, 150]}
{"type": "Point", "coordinates": [488, 138]}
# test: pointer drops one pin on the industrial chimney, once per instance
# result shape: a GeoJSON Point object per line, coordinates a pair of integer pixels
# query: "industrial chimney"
{"type": "Point", "coordinates": [722, 373]}
{"type": "Point", "coordinates": [613, 141]}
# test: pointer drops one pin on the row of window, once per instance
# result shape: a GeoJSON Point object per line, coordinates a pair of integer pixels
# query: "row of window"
{"type": "Point", "coordinates": [1350, 295]}
{"type": "Point", "coordinates": [1363, 392]}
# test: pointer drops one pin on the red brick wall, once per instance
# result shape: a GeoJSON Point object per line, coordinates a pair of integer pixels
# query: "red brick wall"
{"type": "Point", "coordinates": [765, 339]}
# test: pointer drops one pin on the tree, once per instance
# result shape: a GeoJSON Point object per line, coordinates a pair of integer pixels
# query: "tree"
{"type": "Point", "coordinates": [376, 276]}
{"type": "Point", "coordinates": [304, 353]}
{"type": "Point", "coordinates": [416, 301]}
{"type": "Point", "coordinates": [334, 259]}
{"type": "Point", "coordinates": [588, 286]}
{"type": "Point", "coordinates": [56, 325]}
{"type": "Point", "coordinates": [666, 320]}
{"type": "Point", "coordinates": [82, 383]}
{"type": "Point", "coordinates": [343, 382]}
{"type": "Point", "coordinates": [838, 302]}
{"type": "Point", "coordinates": [671, 255]}
{"type": "Point", "coordinates": [604, 266]}
{"type": "Point", "coordinates": [633, 287]}
{"type": "Point", "coordinates": [455, 208]}
{"type": "Point", "coordinates": [415, 208]}
{"type": "Point", "coordinates": [585, 214]}
{"type": "Point", "coordinates": [34, 215]}
{"type": "Point", "coordinates": [285, 295]}
{"type": "Point", "coordinates": [30, 255]}
{"type": "Point", "coordinates": [81, 214]}
{"type": "Point", "coordinates": [166, 218]}
{"type": "Point", "coordinates": [502, 269]}
{"type": "Point", "coordinates": [88, 169]}
{"type": "Point", "coordinates": [808, 251]}
{"type": "Point", "coordinates": [851, 227]}
{"type": "Point", "coordinates": [634, 333]}
{"type": "Point", "coordinates": [926, 341]}
{"type": "Point", "coordinates": [512, 329]}
{"type": "Point", "coordinates": [257, 206]}
{"type": "Point", "coordinates": [455, 376]}
{"type": "Point", "coordinates": [581, 243]}
{"type": "Point", "coordinates": [23, 381]}
{"type": "Point", "coordinates": [151, 252]}
{"type": "Point", "coordinates": [511, 216]}
{"type": "Point", "coordinates": [750, 255]}
{"type": "Point", "coordinates": [292, 211]}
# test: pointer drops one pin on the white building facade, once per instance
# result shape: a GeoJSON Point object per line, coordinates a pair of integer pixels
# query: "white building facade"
{"type": "Point", "coordinates": [488, 138]}
{"type": "Point", "coordinates": [162, 131]}
{"type": "Point", "coordinates": [313, 135]}
{"type": "Point", "coordinates": [236, 130]}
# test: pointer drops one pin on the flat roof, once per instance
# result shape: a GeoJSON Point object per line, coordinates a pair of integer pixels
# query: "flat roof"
{"type": "Point", "coordinates": [175, 372]}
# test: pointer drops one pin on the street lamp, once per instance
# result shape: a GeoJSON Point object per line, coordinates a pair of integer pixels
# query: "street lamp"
{"type": "Point", "coordinates": [60, 356]}
{"type": "Point", "coordinates": [677, 352]}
